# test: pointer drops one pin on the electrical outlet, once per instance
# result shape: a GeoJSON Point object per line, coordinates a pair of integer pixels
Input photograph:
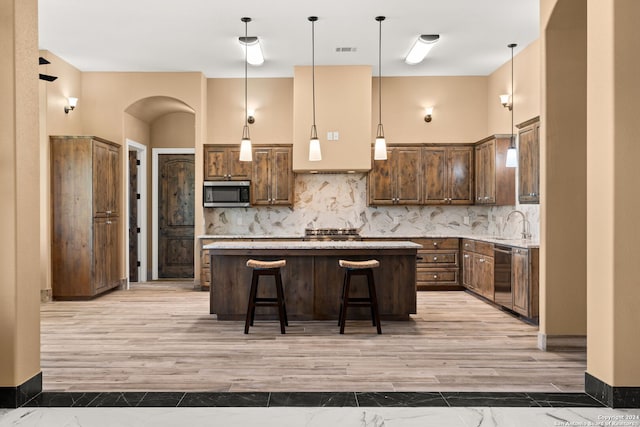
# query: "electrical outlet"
{"type": "Point", "coordinates": [336, 135]}
{"type": "Point", "coordinates": [396, 220]}
{"type": "Point", "coordinates": [465, 220]}
{"type": "Point", "coordinates": [329, 136]}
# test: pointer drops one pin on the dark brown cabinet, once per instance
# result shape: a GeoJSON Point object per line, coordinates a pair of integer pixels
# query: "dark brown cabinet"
{"type": "Point", "coordinates": [448, 175]}
{"type": "Point", "coordinates": [85, 196]}
{"type": "Point", "coordinates": [529, 161]}
{"type": "Point", "coordinates": [222, 163]}
{"type": "Point", "coordinates": [495, 183]}
{"type": "Point", "coordinates": [397, 180]}
{"type": "Point", "coordinates": [438, 264]}
{"type": "Point", "coordinates": [477, 267]}
{"type": "Point", "coordinates": [272, 176]}
{"type": "Point", "coordinates": [524, 281]}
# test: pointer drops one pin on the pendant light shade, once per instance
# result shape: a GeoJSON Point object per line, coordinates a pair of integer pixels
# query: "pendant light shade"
{"type": "Point", "coordinates": [512, 153]}
{"type": "Point", "coordinates": [380, 148]}
{"type": "Point", "coordinates": [245, 144]}
{"type": "Point", "coordinates": [315, 154]}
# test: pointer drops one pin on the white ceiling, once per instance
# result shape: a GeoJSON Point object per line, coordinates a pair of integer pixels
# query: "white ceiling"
{"type": "Point", "coordinates": [201, 35]}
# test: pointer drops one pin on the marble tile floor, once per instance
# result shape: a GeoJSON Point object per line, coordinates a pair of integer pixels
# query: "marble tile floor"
{"type": "Point", "coordinates": [320, 416]}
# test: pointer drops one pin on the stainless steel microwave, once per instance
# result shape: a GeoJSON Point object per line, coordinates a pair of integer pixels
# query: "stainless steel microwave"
{"type": "Point", "coordinates": [227, 194]}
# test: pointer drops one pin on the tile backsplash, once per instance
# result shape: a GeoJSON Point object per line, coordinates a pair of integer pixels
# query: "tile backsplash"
{"type": "Point", "coordinates": [340, 200]}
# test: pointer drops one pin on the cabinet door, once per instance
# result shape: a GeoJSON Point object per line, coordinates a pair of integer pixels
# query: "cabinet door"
{"type": "Point", "coordinates": [483, 271]}
{"type": "Point", "coordinates": [460, 176]}
{"type": "Point", "coordinates": [106, 258]}
{"type": "Point", "coordinates": [435, 175]}
{"type": "Point", "coordinates": [381, 181]}
{"type": "Point", "coordinates": [520, 281]}
{"type": "Point", "coordinates": [237, 170]}
{"type": "Point", "coordinates": [281, 176]}
{"type": "Point", "coordinates": [104, 192]}
{"type": "Point", "coordinates": [261, 177]}
{"type": "Point", "coordinates": [529, 164]}
{"type": "Point", "coordinates": [467, 270]}
{"type": "Point", "coordinates": [113, 181]}
{"type": "Point", "coordinates": [408, 175]}
{"type": "Point", "coordinates": [215, 163]}
{"type": "Point", "coordinates": [486, 173]}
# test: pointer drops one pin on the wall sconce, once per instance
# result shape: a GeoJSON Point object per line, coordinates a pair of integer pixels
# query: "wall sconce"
{"type": "Point", "coordinates": [72, 104]}
{"type": "Point", "coordinates": [505, 100]}
{"type": "Point", "coordinates": [428, 113]}
{"type": "Point", "coordinates": [251, 119]}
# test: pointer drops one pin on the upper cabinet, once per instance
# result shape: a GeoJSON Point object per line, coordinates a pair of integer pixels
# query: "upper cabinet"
{"type": "Point", "coordinates": [272, 176]}
{"type": "Point", "coordinates": [529, 161]}
{"type": "Point", "coordinates": [448, 175]}
{"type": "Point", "coordinates": [222, 163]}
{"type": "Point", "coordinates": [397, 180]}
{"type": "Point", "coordinates": [495, 183]}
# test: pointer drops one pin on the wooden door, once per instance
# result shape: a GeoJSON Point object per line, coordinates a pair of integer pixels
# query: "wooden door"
{"type": "Point", "coordinates": [408, 175]}
{"type": "Point", "coordinates": [133, 216]}
{"type": "Point", "coordinates": [520, 281]}
{"type": "Point", "coordinates": [281, 176]}
{"type": "Point", "coordinates": [381, 183]}
{"type": "Point", "coordinates": [261, 174]}
{"type": "Point", "coordinates": [529, 164]}
{"type": "Point", "coordinates": [435, 175]}
{"type": "Point", "coordinates": [460, 175]}
{"type": "Point", "coordinates": [176, 215]}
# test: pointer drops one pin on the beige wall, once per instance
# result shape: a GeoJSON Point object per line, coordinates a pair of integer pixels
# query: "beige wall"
{"type": "Point", "coordinates": [526, 86]}
{"type": "Point", "coordinates": [459, 109]}
{"type": "Point", "coordinates": [137, 130]}
{"type": "Point", "coordinates": [174, 130]}
{"type": "Point", "coordinates": [19, 183]}
{"type": "Point", "coordinates": [271, 99]}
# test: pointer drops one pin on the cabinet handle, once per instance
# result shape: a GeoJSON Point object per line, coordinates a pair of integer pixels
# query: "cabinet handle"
{"type": "Point", "coordinates": [108, 212]}
{"type": "Point", "coordinates": [435, 276]}
{"type": "Point", "coordinates": [108, 222]}
{"type": "Point", "coordinates": [486, 197]}
{"type": "Point", "coordinates": [481, 260]}
{"type": "Point", "coordinates": [466, 256]}
{"type": "Point", "coordinates": [435, 258]}
{"type": "Point", "coordinates": [435, 243]}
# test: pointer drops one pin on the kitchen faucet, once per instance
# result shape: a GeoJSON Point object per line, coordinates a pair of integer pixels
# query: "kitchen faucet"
{"type": "Point", "coordinates": [526, 227]}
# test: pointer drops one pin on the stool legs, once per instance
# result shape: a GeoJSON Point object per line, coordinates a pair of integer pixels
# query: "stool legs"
{"type": "Point", "coordinates": [255, 301]}
{"type": "Point", "coordinates": [371, 301]}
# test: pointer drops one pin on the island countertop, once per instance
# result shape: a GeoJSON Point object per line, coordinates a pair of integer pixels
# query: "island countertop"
{"type": "Point", "coordinates": [312, 245]}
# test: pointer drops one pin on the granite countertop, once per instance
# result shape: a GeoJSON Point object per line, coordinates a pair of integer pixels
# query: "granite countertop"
{"type": "Point", "coordinates": [275, 244]}
{"type": "Point", "coordinates": [516, 242]}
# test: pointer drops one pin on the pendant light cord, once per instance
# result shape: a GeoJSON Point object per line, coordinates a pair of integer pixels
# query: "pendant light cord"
{"type": "Point", "coordinates": [246, 49]}
{"type": "Point", "coordinates": [314, 133]}
{"type": "Point", "coordinates": [513, 142]}
{"type": "Point", "coordinates": [380, 72]}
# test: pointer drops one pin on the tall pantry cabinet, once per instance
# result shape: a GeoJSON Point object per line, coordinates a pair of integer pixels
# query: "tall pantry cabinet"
{"type": "Point", "coordinates": [85, 215]}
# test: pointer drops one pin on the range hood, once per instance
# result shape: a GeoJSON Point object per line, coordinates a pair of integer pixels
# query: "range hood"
{"type": "Point", "coordinates": [343, 107]}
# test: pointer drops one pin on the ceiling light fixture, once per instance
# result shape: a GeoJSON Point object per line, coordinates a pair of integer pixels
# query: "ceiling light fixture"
{"type": "Point", "coordinates": [315, 154]}
{"type": "Point", "coordinates": [72, 104]}
{"type": "Point", "coordinates": [380, 150]}
{"type": "Point", "coordinates": [512, 154]}
{"type": "Point", "coordinates": [252, 49]}
{"type": "Point", "coordinates": [245, 144]}
{"type": "Point", "coordinates": [421, 48]}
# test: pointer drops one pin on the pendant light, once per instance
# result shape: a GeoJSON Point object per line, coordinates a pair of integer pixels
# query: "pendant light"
{"type": "Point", "coordinates": [245, 144]}
{"type": "Point", "coordinates": [380, 150]}
{"type": "Point", "coordinates": [512, 154]}
{"type": "Point", "coordinates": [315, 154]}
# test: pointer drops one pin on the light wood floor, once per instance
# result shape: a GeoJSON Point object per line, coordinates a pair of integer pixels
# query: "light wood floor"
{"type": "Point", "coordinates": [159, 336]}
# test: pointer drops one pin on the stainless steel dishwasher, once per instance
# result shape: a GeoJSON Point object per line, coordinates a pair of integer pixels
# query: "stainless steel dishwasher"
{"type": "Point", "coordinates": [502, 276]}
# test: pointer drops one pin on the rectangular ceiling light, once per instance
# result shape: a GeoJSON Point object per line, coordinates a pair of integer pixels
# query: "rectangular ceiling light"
{"type": "Point", "coordinates": [254, 52]}
{"type": "Point", "coordinates": [421, 48]}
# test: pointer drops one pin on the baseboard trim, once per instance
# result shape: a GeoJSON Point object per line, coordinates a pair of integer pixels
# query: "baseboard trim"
{"type": "Point", "coordinates": [613, 397]}
{"type": "Point", "coordinates": [46, 295]}
{"type": "Point", "coordinates": [561, 342]}
{"type": "Point", "coordinates": [15, 397]}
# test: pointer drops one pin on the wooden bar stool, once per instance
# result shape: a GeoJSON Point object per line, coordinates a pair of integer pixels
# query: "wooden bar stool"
{"type": "Point", "coordinates": [359, 268]}
{"type": "Point", "coordinates": [266, 268]}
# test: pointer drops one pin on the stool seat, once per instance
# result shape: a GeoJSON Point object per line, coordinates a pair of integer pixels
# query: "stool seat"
{"type": "Point", "coordinates": [266, 268]}
{"type": "Point", "coordinates": [359, 268]}
{"type": "Point", "coordinates": [254, 263]}
{"type": "Point", "coordinates": [356, 265]}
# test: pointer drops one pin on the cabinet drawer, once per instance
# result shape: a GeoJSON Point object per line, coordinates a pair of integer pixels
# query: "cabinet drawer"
{"type": "Point", "coordinates": [206, 259]}
{"type": "Point", "coordinates": [484, 248]}
{"type": "Point", "coordinates": [438, 243]}
{"type": "Point", "coordinates": [468, 245]}
{"type": "Point", "coordinates": [449, 276]}
{"type": "Point", "coordinates": [438, 259]}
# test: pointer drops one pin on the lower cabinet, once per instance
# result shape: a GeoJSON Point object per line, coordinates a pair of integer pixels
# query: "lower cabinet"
{"type": "Point", "coordinates": [477, 271]}
{"type": "Point", "coordinates": [524, 281]}
{"type": "Point", "coordinates": [438, 264]}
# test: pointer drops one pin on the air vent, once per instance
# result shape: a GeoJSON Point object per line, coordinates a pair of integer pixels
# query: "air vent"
{"type": "Point", "coordinates": [346, 49]}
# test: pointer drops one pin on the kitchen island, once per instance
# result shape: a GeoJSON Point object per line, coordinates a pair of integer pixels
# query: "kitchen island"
{"type": "Point", "coordinates": [312, 278]}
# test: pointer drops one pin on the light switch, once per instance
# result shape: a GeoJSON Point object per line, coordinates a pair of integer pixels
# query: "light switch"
{"type": "Point", "coordinates": [336, 135]}
{"type": "Point", "coordinates": [329, 136]}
